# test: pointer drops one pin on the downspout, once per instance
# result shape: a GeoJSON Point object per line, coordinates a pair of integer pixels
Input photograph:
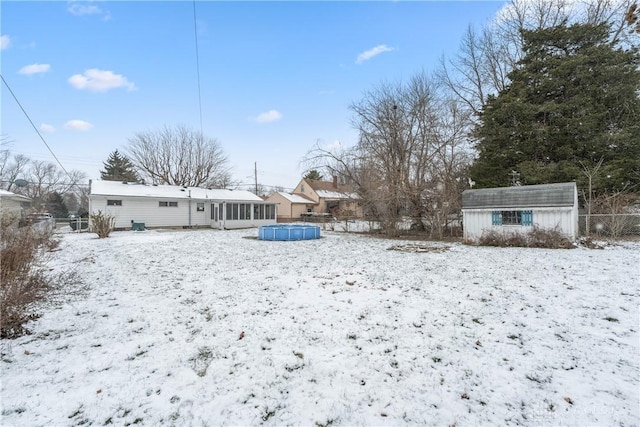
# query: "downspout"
{"type": "Point", "coordinates": [189, 208]}
{"type": "Point", "coordinates": [90, 209]}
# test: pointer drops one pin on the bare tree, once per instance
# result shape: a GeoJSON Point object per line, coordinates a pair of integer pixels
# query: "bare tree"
{"type": "Point", "coordinates": [45, 178]}
{"type": "Point", "coordinates": [179, 156]}
{"type": "Point", "coordinates": [12, 168]}
{"type": "Point", "coordinates": [405, 141]}
{"type": "Point", "coordinates": [448, 171]}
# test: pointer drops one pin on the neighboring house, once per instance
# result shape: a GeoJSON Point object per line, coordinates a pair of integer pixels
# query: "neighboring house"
{"type": "Point", "coordinates": [519, 209]}
{"type": "Point", "coordinates": [174, 206]}
{"type": "Point", "coordinates": [329, 197]}
{"type": "Point", "coordinates": [291, 206]}
{"type": "Point", "coordinates": [13, 204]}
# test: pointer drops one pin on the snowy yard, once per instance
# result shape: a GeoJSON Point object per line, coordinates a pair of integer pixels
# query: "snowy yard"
{"type": "Point", "coordinates": [217, 328]}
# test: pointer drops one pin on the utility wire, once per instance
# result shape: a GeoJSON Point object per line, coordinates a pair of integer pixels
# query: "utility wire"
{"type": "Point", "coordinates": [195, 29]}
{"type": "Point", "coordinates": [34, 126]}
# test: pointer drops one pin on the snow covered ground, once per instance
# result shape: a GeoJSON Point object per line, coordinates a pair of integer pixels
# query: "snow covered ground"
{"type": "Point", "coordinates": [214, 327]}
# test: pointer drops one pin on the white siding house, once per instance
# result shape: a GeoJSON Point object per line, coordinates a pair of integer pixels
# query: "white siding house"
{"type": "Point", "coordinates": [13, 204]}
{"type": "Point", "coordinates": [174, 206]}
{"type": "Point", "coordinates": [519, 209]}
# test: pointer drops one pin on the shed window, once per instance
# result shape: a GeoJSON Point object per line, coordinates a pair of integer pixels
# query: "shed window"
{"type": "Point", "coordinates": [114, 202]}
{"type": "Point", "coordinates": [200, 207]}
{"type": "Point", "coordinates": [168, 204]}
{"type": "Point", "coordinates": [512, 218]}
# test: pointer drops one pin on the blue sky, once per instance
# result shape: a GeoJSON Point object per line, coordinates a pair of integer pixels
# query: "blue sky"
{"type": "Point", "coordinates": [275, 77]}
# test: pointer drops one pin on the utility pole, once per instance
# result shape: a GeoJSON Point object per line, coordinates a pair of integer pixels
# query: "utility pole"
{"type": "Point", "coordinates": [255, 174]}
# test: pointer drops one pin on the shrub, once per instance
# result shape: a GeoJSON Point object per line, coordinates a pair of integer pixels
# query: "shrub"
{"type": "Point", "coordinates": [536, 238]}
{"type": "Point", "coordinates": [491, 238]}
{"type": "Point", "coordinates": [21, 275]}
{"type": "Point", "coordinates": [548, 238]}
{"type": "Point", "coordinates": [102, 224]}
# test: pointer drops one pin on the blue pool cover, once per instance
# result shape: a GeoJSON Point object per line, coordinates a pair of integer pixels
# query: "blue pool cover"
{"type": "Point", "coordinates": [289, 232]}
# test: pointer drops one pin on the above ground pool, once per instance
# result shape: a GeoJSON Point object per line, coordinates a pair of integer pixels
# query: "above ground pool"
{"type": "Point", "coordinates": [289, 232]}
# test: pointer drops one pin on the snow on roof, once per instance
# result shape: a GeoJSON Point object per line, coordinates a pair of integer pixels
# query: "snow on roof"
{"type": "Point", "coordinates": [132, 189]}
{"type": "Point", "coordinates": [295, 198]}
{"type": "Point", "coordinates": [541, 195]}
{"type": "Point", "coordinates": [9, 194]}
{"type": "Point", "coordinates": [326, 194]}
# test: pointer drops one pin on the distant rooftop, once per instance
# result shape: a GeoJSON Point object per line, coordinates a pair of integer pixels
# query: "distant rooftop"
{"type": "Point", "coordinates": [542, 195]}
{"type": "Point", "coordinates": [296, 198]}
{"type": "Point", "coordinates": [331, 190]}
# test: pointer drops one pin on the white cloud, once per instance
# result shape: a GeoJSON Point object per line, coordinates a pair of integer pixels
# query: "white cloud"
{"type": "Point", "coordinates": [95, 80]}
{"type": "Point", "coordinates": [47, 128]}
{"type": "Point", "coordinates": [269, 116]}
{"type": "Point", "coordinates": [366, 55]}
{"type": "Point", "coordinates": [5, 42]}
{"type": "Point", "coordinates": [34, 69]}
{"type": "Point", "coordinates": [87, 8]}
{"type": "Point", "coordinates": [78, 125]}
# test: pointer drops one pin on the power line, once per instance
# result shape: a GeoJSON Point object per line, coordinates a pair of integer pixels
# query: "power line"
{"type": "Point", "coordinates": [34, 126]}
{"type": "Point", "coordinates": [195, 30]}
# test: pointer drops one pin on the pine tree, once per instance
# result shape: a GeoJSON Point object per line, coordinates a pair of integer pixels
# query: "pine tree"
{"type": "Point", "coordinates": [118, 168]}
{"type": "Point", "coordinates": [313, 174]}
{"type": "Point", "coordinates": [572, 101]}
{"type": "Point", "coordinates": [56, 206]}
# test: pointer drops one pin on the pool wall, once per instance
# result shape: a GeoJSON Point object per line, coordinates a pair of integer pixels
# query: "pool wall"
{"type": "Point", "coordinates": [285, 232]}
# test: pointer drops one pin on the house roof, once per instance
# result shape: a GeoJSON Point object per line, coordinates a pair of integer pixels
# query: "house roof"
{"type": "Point", "coordinates": [327, 189]}
{"type": "Point", "coordinates": [296, 198]}
{"type": "Point", "coordinates": [543, 195]}
{"type": "Point", "coordinates": [10, 195]}
{"type": "Point", "coordinates": [132, 189]}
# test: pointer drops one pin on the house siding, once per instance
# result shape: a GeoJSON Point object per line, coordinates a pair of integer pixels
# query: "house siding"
{"type": "Point", "coordinates": [288, 210]}
{"type": "Point", "coordinates": [147, 210]}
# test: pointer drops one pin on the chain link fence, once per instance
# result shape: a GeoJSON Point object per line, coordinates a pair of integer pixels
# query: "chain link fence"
{"type": "Point", "coordinates": [613, 226]}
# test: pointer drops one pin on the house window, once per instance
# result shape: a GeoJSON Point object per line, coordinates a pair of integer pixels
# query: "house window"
{"type": "Point", "coordinates": [269, 211]}
{"type": "Point", "coordinates": [235, 211]}
{"type": "Point", "coordinates": [512, 218]}
{"type": "Point", "coordinates": [244, 211]}
{"type": "Point", "coordinates": [168, 204]}
{"type": "Point", "coordinates": [114, 202]}
{"type": "Point", "coordinates": [262, 211]}
{"type": "Point", "coordinates": [200, 207]}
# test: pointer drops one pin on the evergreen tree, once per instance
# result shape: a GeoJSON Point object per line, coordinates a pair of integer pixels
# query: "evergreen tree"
{"type": "Point", "coordinates": [118, 168]}
{"type": "Point", "coordinates": [573, 100]}
{"type": "Point", "coordinates": [56, 206]}
{"type": "Point", "coordinates": [313, 174]}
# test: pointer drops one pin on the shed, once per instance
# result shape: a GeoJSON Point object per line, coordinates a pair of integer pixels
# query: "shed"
{"type": "Point", "coordinates": [518, 209]}
{"type": "Point", "coordinates": [175, 206]}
